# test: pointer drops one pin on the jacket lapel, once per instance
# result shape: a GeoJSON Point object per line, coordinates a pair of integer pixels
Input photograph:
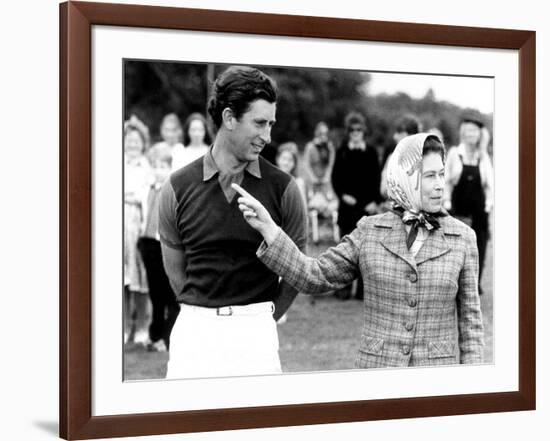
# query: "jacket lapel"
{"type": "Point", "coordinates": [395, 241]}
{"type": "Point", "coordinates": [435, 246]}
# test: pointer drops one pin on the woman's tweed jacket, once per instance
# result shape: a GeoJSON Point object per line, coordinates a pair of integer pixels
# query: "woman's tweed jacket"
{"type": "Point", "coordinates": [422, 310]}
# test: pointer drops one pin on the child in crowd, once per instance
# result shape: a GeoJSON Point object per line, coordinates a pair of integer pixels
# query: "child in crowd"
{"type": "Point", "coordinates": [164, 305]}
{"type": "Point", "coordinates": [287, 160]}
{"type": "Point", "coordinates": [319, 156]}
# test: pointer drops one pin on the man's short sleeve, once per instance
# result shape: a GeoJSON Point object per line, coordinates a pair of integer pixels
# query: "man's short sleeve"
{"type": "Point", "coordinates": [168, 230]}
{"type": "Point", "coordinates": [294, 215]}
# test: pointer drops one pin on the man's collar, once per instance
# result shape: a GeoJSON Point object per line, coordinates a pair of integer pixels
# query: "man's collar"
{"type": "Point", "coordinates": [210, 168]}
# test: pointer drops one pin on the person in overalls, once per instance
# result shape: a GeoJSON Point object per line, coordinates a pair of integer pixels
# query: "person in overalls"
{"type": "Point", "coordinates": [469, 181]}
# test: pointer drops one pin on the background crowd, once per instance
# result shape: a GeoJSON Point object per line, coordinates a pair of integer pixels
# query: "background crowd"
{"type": "Point", "coordinates": [331, 136]}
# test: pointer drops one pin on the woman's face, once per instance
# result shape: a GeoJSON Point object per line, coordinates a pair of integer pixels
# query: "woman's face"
{"type": "Point", "coordinates": [170, 132]}
{"type": "Point", "coordinates": [196, 131]}
{"type": "Point", "coordinates": [470, 133]}
{"type": "Point", "coordinates": [433, 182]}
{"type": "Point", "coordinates": [133, 144]}
{"type": "Point", "coordinates": [321, 134]}
{"type": "Point", "coordinates": [285, 161]}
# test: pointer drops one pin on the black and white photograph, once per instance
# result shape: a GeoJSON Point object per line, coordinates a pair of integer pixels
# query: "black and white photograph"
{"type": "Point", "coordinates": [275, 220]}
{"type": "Point", "coordinates": [289, 220]}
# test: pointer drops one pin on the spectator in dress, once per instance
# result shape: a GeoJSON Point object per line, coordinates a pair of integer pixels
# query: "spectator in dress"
{"type": "Point", "coordinates": [137, 177]}
{"type": "Point", "coordinates": [319, 156]}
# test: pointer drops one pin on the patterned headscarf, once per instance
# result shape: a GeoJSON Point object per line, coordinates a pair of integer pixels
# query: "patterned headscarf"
{"type": "Point", "coordinates": [404, 183]}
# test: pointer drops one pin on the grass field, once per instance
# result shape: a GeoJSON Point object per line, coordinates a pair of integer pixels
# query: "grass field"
{"type": "Point", "coordinates": [319, 335]}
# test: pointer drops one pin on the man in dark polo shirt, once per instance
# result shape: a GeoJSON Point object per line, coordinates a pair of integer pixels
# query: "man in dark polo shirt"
{"type": "Point", "coordinates": [229, 300]}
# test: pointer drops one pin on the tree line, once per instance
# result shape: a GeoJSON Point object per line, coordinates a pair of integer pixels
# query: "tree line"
{"type": "Point", "coordinates": [306, 96]}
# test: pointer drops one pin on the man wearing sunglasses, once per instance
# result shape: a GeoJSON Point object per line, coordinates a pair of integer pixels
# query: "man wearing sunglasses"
{"type": "Point", "coordinates": [356, 182]}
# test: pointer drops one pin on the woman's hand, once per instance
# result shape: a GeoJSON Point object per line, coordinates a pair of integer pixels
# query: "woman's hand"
{"type": "Point", "coordinates": [256, 215]}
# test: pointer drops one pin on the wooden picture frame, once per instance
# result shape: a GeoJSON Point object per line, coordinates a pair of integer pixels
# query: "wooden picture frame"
{"type": "Point", "coordinates": [76, 239]}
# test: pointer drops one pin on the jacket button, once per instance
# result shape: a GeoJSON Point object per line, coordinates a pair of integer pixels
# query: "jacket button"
{"type": "Point", "coordinates": [412, 303]}
{"type": "Point", "coordinates": [413, 277]}
{"type": "Point", "coordinates": [409, 326]}
{"type": "Point", "coordinates": [406, 350]}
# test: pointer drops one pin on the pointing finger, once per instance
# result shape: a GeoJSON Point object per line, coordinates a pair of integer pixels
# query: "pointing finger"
{"type": "Point", "coordinates": [241, 191]}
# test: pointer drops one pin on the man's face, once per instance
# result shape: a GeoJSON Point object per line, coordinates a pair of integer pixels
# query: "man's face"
{"type": "Point", "coordinates": [252, 131]}
{"type": "Point", "coordinates": [356, 133]}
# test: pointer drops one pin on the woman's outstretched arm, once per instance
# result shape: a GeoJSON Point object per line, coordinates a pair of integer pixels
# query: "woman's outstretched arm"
{"type": "Point", "coordinates": [335, 268]}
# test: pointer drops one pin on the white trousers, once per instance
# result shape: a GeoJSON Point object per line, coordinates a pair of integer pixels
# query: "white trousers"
{"type": "Point", "coordinates": [220, 342]}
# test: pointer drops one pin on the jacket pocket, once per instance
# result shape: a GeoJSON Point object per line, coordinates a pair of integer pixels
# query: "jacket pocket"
{"type": "Point", "coordinates": [441, 349]}
{"type": "Point", "coordinates": [371, 345]}
{"type": "Point", "coordinates": [370, 353]}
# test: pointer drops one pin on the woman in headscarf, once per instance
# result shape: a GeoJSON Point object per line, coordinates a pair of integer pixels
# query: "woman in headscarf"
{"type": "Point", "coordinates": [419, 267]}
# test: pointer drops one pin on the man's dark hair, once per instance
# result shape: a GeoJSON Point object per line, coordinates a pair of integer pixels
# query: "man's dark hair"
{"type": "Point", "coordinates": [408, 124]}
{"type": "Point", "coordinates": [236, 88]}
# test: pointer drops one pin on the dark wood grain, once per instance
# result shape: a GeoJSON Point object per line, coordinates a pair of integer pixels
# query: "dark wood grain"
{"type": "Point", "coordinates": [299, 26]}
{"type": "Point", "coordinates": [76, 19]}
{"type": "Point", "coordinates": [527, 220]}
{"type": "Point", "coordinates": [76, 197]}
{"type": "Point", "coordinates": [63, 240]}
